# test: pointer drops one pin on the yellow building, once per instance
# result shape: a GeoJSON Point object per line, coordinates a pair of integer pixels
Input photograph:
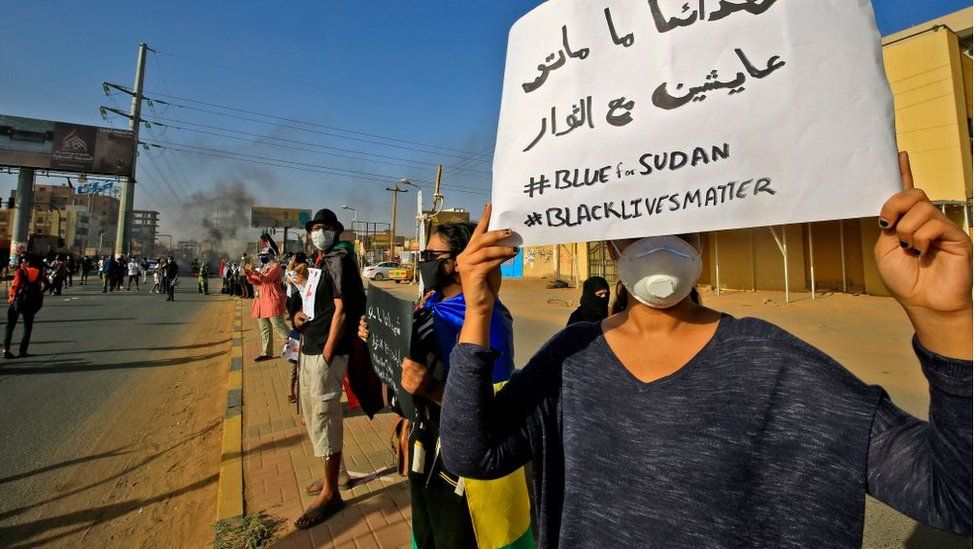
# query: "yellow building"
{"type": "Point", "coordinates": [930, 71]}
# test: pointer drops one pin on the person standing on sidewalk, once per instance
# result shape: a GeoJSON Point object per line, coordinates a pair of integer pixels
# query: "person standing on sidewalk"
{"type": "Point", "coordinates": [26, 297]}
{"type": "Point", "coordinates": [338, 299]}
{"type": "Point", "coordinates": [171, 276]}
{"type": "Point", "coordinates": [446, 510]}
{"type": "Point", "coordinates": [269, 303]}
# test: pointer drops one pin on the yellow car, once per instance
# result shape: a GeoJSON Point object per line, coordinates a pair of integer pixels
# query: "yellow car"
{"type": "Point", "coordinates": [403, 273]}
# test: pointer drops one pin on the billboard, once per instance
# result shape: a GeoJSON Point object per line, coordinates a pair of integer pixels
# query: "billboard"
{"type": "Point", "coordinates": [262, 216]}
{"type": "Point", "coordinates": [62, 146]}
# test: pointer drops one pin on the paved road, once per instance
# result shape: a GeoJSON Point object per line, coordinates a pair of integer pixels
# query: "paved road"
{"type": "Point", "coordinates": [87, 346]}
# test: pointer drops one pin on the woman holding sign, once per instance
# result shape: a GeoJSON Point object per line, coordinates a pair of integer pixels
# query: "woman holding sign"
{"type": "Point", "coordinates": [732, 432]}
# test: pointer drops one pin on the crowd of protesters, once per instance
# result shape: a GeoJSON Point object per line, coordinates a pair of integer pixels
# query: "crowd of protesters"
{"type": "Point", "coordinates": [719, 430]}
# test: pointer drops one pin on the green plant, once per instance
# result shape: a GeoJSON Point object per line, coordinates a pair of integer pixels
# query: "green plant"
{"type": "Point", "coordinates": [247, 532]}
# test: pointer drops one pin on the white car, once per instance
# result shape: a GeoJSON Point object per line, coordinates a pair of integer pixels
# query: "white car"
{"type": "Point", "coordinates": [380, 271]}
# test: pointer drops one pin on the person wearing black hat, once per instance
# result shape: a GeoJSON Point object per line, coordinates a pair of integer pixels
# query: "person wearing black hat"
{"type": "Point", "coordinates": [327, 340]}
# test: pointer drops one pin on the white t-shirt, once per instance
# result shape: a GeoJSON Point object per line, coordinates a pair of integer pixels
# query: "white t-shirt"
{"type": "Point", "coordinates": [134, 268]}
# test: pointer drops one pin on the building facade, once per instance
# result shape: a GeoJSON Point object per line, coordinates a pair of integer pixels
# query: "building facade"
{"type": "Point", "coordinates": [145, 225]}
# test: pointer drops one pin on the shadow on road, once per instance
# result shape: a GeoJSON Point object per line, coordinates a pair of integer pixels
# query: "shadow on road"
{"type": "Point", "coordinates": [162, 348]}
{"type": "Point", "coordinates": [69, 366]}
{"type": "Point", "coordinates": [90, 517]}
{"type": "Point", "coordinates": [19, 476]}
{"type": "Point", "coordinates": [145, 461]}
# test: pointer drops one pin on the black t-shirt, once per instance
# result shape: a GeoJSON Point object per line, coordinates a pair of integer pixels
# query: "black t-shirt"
{"type": "Point", "coordinates": [340, 280]}
{"type": "Point", "coordinates": [171, 269]}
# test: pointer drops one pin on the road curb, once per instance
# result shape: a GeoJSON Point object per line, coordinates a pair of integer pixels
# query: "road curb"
{"type": "Point", "coordinates": [230, 487]}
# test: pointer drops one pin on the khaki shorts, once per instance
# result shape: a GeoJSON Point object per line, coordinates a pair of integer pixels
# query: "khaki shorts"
{"type": "Point", "coordinates": [321, 388]}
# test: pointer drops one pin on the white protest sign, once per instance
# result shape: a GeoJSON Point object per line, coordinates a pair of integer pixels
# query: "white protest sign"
{"type": "Point", "coordinates": [631, 118]}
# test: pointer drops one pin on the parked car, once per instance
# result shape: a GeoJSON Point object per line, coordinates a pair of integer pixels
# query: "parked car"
{"type": "Point", "coordinates": [402, 273]}
{"type": "Point", "coordinates": [380, 271]}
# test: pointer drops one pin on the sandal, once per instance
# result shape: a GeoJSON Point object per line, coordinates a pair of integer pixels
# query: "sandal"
{"type": "Point", "coordinates": [317, 515]}
{"type": "Point", "coordinates": [314, 489]}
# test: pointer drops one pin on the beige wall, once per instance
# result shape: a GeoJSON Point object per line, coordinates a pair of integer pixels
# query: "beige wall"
{"type": "Point", "coordinates": [927, 79]}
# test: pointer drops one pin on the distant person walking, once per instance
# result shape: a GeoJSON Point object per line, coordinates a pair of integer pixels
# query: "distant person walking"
{"type": "Point", "coordinates": [269, 303]}
{"type": "Point", "coordinates": [72, 266]}
{"type": "Point", "coordinates": [25, 298]}
{"type": "Point", "coordinates": [106, 273]}
{"type": "Point", "coordinates": [134, 271]}
{"type": "Point", "coordinates": [86, 267]}
{"type": "Point", "coordinates": [203, 284]}
{"type": "Point", "coordinates": [59, 272]}
{"type": "Point", "coordinates": [171, 276]}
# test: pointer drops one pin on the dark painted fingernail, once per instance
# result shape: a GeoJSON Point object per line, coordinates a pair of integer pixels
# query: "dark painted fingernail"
{"type": "Point", "coordinates": [515, 249]}
{"type": "Point", "coordinates": [883, 222]}
{"type": "Point", "coordinates": [916, 251]}
{"type": "Point", "coordinates": [508, 231]}
{"type": "Point", "coordinates": [903, 244]}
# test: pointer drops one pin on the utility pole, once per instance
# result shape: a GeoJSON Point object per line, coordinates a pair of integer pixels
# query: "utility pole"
{"type": "Point", "coordinates": [396, 190]}
{"type": "Point", "coordinates": [25, 198]}
{"type": "Point", "coordinates": [124, 229]}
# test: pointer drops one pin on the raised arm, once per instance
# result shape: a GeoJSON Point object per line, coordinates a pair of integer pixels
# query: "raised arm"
{"type": "Point", "coordinates": [924, 468]}
{"type": "Point", "coordinates": [484, 435]}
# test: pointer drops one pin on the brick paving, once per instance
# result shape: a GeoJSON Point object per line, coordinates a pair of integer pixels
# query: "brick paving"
{"type": "Point", "coordinates": [278, 463]}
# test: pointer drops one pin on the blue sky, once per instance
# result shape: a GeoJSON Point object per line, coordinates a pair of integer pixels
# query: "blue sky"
{"type": "Point", "coordinates": [423, 73]}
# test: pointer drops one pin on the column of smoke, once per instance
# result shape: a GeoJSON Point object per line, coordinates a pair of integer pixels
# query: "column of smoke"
{"type": "Point", "coordinates": [221, 214]}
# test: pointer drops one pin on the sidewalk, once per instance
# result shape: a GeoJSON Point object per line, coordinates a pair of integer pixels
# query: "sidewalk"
{"type": "Point", "coordinates": [279, 464]}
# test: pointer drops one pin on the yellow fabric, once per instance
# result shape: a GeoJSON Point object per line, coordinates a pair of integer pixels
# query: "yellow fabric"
{"type": "Point", "coordinates": [500, 511]}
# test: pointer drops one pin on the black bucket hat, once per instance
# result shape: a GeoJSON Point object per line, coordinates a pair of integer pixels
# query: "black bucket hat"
{"type": "Point", "coordinates": [327, 217]}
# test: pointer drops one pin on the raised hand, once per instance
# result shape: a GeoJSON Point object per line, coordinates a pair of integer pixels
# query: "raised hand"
{"type": "Point", "coordinates": [479, 266]}
{"type": "Point", "coordinates": [925, 260]}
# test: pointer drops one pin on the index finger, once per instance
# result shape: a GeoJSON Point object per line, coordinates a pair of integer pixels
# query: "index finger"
{"type": "Point", "coordinates": [905, 166]}
{"type": "Point", "coordinates": [483, 222]}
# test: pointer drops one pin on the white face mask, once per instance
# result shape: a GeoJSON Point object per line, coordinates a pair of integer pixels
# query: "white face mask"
{"type": "Point", "coordinates": [323, 239]}
{"type": "Point", "coordinates": [659, 271]}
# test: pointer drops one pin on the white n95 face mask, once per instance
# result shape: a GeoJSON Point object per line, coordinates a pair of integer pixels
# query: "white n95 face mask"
{"type": "Point", "coordinates": [323, 239]}
{"type": "Point", "coordinates": [659, 271]}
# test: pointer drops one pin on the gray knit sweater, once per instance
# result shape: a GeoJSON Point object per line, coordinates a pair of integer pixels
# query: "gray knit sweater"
{"type": "Point", "coordinates": [759, 441]}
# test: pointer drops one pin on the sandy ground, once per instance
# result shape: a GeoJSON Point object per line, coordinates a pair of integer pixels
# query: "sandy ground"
{"type": "Point", "coordinates": [145, 467]}
{"type": "Point", "coordinates": [870, 336]}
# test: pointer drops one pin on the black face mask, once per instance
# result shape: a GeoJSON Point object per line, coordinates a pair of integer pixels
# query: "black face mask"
{"type": "Point", "coordinates": [431, 274]}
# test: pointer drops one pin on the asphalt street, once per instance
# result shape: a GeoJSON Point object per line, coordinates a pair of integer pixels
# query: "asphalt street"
{"type": "Point", "coordinates": [86, 346]}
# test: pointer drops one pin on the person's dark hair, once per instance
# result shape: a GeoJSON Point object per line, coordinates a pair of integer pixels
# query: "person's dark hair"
{"type": "Point", "coordinates": [457, 235]}
{"type": "Point", "coordinates": [300, 257]}
{"type": "Point", "coordinates": [623, 296]}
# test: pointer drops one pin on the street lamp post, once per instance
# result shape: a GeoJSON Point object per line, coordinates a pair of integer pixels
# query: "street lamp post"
{"type": "Point", "coordinates": [355, 236]}
{"type": "Point", "coordinates": [170, 237]}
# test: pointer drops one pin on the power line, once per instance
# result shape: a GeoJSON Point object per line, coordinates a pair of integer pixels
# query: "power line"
{"type": "Point", "coordinates": [302, 166]}
{"type": "Point", "coordinates": [307, 123]}
{"type": "Point", "coordinates": [464, 155]}
{"type": "Point", "coordinates": [308, 143]}
{"type": "Point", "coordinates": [385, 177]}
{"type": "Point", "coordinates": [313, 86]}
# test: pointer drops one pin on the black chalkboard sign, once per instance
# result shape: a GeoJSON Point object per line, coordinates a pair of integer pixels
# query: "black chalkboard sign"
{"type": "Point", "coordinates": [390, 322]}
